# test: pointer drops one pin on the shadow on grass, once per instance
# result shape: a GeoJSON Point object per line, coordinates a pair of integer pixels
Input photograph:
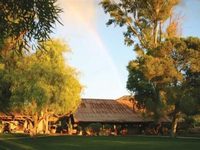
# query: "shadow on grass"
{"type": "Point", "coordinates": [14, 145]}
{"type": "Point", "coordinates": [13, 135]}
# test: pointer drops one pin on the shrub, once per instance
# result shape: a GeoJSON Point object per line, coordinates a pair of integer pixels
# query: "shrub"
{"type": "Point", "coordinates": [104, 132]}
{"type": "Point", "coordinates": [189, 122]}
{"type": "Point", "coordinates": [93, 128]}
{"type": "Point", "coordinates": [107, 129]}
{"type": "Point", "coordinates": [79, 130]}
{"type": "Point", "coordinates": [89, 131]}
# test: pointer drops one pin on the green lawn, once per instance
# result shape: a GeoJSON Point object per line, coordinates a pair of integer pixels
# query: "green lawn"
{"type": "Point", "coordinates": [11, 142]}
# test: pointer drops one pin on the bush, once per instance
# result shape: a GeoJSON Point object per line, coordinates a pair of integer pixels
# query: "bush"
{"type": "Point", "coordinates": [79, 130]}
{"type": "Point", "coordinates": [93, 129]}
{"type": "Point", "coordinates": [189, 122]}
{"type": "Point", "coordinates": [197, 124]}
{"type": "Point", "coordinates": [107, 129]}
{"type": "Point", "coordinates": [104, 132]}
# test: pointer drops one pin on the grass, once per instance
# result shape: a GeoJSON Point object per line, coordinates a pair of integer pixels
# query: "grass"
{"type": "Point", "coordinates": [20, 142]}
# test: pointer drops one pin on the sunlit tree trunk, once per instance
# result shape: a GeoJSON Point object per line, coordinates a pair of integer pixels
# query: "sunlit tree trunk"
{"type": "Point", "coordinates": [174, 125]}
{"type": "Point", "coordinates": [35, 125]}
{"type": "Point", "coordinates": [46, 121]}
{"type": "Point", "coordinates": [155, 33]}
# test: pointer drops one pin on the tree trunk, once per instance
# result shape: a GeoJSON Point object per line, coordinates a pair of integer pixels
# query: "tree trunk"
{"type": "Point", "coordinates": [155, 33]}
{"type": "Point", "coordinates": [174, 124]}
{"type": "Point", "coordinates": [35, 125]}
{"type": "Point", "coordinates": [46, 124]}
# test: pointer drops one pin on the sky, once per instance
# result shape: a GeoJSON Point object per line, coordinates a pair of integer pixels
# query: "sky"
{"type": "Point", "coordinates": [98, 51]}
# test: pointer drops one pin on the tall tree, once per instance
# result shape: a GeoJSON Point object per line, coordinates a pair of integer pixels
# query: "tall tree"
{"type": "Point", "coordinates": [167, 81]}
{"type": "Point", "coordinates": [159, 62]}
{"type": "Point", "coordinates": [183, 95]}
{"type": "Point", "coordinates": [41, 84]}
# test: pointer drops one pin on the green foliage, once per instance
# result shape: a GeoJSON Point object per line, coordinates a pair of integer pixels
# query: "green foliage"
{"type": "Point", "coordinates": [167, 76]}
{"type": "Point", "coordinates": [197, 120]}
{"type": "Point", "coordinates": [40, 84]}
{"type": "Point", "coordinates": [5, 92]}
{"type": "Point", "coordinates": [26, 22]}
{"type": "Point", "coordinates": [189, 122]}
{"type": "Point", "coordinates": [143, 19]}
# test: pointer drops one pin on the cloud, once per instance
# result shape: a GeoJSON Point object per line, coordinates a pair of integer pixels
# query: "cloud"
{"type": "Point", "coordinates": [79, 11]}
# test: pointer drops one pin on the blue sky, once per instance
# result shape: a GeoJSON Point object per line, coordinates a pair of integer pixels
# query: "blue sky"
{"type": "Point", "coordinates": [98, 51]}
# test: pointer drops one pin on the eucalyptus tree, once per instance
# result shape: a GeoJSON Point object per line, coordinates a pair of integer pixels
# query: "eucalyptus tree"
{"type": "Point", "coordinates": [150, 28]}
{"type": "Point", "coordinates": [143, 19]}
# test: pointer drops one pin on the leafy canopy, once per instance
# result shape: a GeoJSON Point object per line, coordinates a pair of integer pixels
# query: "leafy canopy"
{"type": "Point", "coordinates": [167, 78]}
{"type": "Point", "coordinates": [43, 83]}
{"type": "Point", "coordinates": [143, 19]}
{"type": "Point", "coordinates": [26, 22]}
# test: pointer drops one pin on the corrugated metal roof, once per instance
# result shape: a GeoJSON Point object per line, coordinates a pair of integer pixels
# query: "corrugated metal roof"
{"type": "Point", "coordinates": [98, 110]}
